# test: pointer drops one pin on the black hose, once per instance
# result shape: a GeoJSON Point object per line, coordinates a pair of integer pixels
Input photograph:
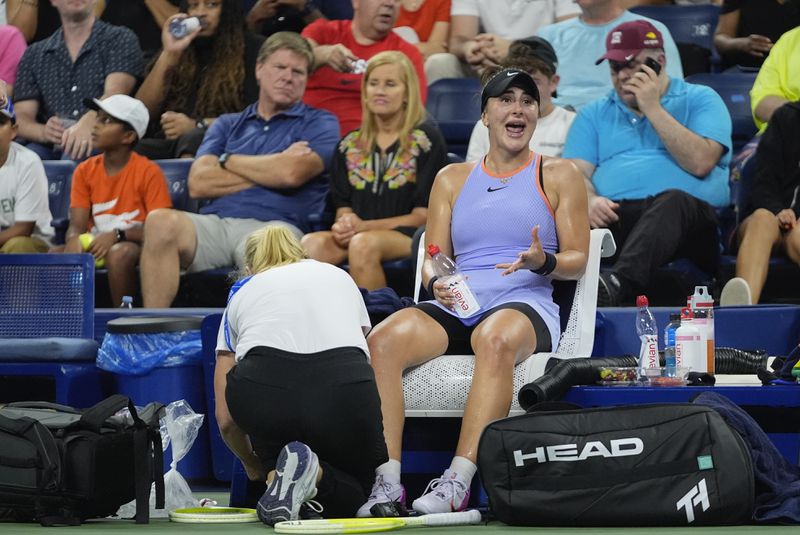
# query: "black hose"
{"type": "Point", "coordinates": [561, 375]}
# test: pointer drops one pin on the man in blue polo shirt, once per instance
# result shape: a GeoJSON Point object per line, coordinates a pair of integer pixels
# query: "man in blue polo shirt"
{"type": "Point", "coordinates": [265, 164]}
{"type": "Point", "coordinates": [655, 154]}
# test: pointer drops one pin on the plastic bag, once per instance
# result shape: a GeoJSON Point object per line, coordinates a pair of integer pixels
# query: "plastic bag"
{"type": "Point", "coordinates": [182, 425]}
{"type": "Point", "coordinates": [137, 354]}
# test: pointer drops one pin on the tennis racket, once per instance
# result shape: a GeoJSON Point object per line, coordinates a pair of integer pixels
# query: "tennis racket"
{"type": "Point", "coordinates": [370, 525]}
{"type": "Point", "coordinates": [213, 515]}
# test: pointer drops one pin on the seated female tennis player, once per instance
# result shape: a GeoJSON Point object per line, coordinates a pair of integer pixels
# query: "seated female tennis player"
{"type": "Point", "coordinates": [513, 221]}
{"type": "Point", "coordinates": [295, 394]}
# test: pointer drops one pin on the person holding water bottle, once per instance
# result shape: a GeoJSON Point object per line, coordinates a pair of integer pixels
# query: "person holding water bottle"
{"type": "Point", "coordinates": [513, 221]}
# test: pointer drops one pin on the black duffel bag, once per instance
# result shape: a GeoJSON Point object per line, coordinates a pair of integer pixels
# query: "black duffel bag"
{"type": "Point", "coordinates": [59, 465]}
{"type": "Point", "coordinates": [642, 465]}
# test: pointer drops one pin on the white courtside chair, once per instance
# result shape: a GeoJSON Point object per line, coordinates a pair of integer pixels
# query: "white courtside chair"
{"type": "Point", "coordinates": [440, 386]}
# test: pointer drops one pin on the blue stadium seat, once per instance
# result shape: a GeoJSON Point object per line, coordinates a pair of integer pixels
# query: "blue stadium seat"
{"type": "Point", "coordinates": [177, 174]}
{"type": "Point", "coordinates": [734, 88]}
{"type": "Point", "coordinates": [692, 28]}
{"type": "Point", "coordinates": [47, 326]}
{"type": "Point", "coordinates": [59, 184]}
{"type": "Point", "coordinates": [455, 104]}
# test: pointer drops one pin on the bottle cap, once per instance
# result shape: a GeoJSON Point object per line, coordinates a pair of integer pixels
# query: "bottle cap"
{"type": "Point", "coordinates": [433, 249]}
{"type": "Point", "coordinates": [641, 301]}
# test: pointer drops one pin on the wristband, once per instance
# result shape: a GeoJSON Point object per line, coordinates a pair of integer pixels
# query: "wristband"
{"type": "Point", "coordinates": [429, 287]}
{"type": "Point", "coordinates": [549, 265]}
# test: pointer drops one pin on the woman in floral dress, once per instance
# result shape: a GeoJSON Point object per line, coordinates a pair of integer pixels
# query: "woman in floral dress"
{"type": "Point", "coordinates": [381, 175]}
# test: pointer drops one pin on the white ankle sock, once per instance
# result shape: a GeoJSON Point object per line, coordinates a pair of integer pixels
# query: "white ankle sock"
{"type": "Point", "coordinates": [389, 470]}
{"type": "Point", "coordinates": [464, 468]}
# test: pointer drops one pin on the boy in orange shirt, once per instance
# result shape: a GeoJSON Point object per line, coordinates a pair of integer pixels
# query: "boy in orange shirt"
{"type": "Point", "coordinates": [113, 192]}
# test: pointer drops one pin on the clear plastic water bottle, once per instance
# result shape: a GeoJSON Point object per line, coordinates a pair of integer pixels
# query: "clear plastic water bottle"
{"type": "Point", "coordinates": [447, 271]}
{"type": "Point", "coordinates": [647, 330]}
{"type": "Point", "coordinates": [180, 28]}
{"type": "Point", "coordinates": [127, 302]}
{"type": "Point", "coordinates": [669, 343]}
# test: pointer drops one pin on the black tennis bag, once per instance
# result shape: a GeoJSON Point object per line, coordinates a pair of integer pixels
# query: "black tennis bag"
{"type": "Point", "coordinates": [59, 465]}
{"type": "Point", "coordinates": [641, 465]}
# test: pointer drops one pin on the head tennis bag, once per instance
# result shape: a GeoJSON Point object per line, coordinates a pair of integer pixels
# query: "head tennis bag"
{"type": "Point", "coordinates": [642, 465]}
{"type": "Point", "coordinates": [62, 466]}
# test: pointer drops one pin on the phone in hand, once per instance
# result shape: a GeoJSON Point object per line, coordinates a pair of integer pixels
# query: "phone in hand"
{"type": "Point", "coordinates": [653, 64]}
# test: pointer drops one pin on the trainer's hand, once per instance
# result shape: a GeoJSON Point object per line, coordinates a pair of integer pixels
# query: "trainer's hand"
{"type": "Point", "coordinates": [533, 258]}
{"type": "Point", "coordinates": [787, 219]}
{"type": "Point", "coordinates": [602, 212]}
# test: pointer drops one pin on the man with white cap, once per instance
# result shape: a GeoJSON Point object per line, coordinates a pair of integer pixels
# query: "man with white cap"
{"type": "Point", "coordinates": [113, 192]}
{"type": "Point", "coordinates": [24, 212]}
{"type": "Point", "coordinates": [655, 154]}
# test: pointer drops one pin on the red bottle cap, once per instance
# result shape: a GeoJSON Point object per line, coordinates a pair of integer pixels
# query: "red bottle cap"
{"type": "Point", "coordinates": [433, 249]}
{"type": "Point", "coordinates": [641, 301]}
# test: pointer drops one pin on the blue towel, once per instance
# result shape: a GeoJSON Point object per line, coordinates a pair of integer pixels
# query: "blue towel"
{"type": "Point", "coordinates": [777, 481]}
{"type": "Point", "coordinates": [384, 301]}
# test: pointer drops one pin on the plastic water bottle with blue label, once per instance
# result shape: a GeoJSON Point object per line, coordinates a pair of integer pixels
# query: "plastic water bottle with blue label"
{"type": "Point", "coordinates": [647, 331]}
{"type": "Point", "coordinates": [180, 28]}
{"type": "Point", "coordinates": [670, 361]}
{"type": "Point", "coordinates": [447, 271]}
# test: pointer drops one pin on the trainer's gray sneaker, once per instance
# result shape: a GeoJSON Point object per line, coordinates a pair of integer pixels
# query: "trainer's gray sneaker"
{"type": "Point", "coordinates": [736, 292]}
{"type": "Point", "coordinates": [294, 484]}
{"type": "Point", "coordinates": [382, 491]}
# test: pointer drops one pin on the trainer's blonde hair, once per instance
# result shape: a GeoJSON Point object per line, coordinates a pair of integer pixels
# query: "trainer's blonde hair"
{"type": "Point", "coordinates": [414, 110]}
{"type": "Point", "coordinates": [270, 247]}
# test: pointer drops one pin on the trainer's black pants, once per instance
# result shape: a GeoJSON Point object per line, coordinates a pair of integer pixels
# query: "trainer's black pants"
{"type": "Point", "coordinates": [327, 400]}
{"type": "Point", "coordinates": [654, 231]}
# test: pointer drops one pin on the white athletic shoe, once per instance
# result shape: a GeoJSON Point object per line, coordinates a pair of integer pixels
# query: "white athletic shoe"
{"type": "Point", "coordinates": [736, 292]}
{"type": "Point", "coordinates": [382, 491]}
{"type": "Point", "coordinates": [446, 494]}
{"type": "Point", "coordinates": [294, 484]}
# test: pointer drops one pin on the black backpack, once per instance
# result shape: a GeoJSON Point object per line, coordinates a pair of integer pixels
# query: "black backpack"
{"type": "Point", "coordinates": [59, 465]}
{"type": "Point", "coordinates": [639, 465]}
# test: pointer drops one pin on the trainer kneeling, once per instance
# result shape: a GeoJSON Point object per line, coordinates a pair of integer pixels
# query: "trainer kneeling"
{"type": "Point", "coordinates": [292, 365]}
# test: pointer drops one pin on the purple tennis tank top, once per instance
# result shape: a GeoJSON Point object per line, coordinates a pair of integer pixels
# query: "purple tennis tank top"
{"type": "Point", "coordinates": [491, 224]}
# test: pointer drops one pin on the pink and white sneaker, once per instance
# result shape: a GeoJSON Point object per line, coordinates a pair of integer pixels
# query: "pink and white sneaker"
{"type": "Point", "coordinates": [446, 494]}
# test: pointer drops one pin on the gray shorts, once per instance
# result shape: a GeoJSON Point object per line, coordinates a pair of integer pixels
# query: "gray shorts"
{"type": "Point", "coordinates": [220, 240]}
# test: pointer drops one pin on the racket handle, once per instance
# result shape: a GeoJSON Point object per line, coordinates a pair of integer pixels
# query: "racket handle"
{"type": "Point", "coordinates": [473, 516]}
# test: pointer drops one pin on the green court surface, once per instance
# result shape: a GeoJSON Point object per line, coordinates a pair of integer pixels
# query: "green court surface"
{"type": "Point", "coordinates": [159, 526]}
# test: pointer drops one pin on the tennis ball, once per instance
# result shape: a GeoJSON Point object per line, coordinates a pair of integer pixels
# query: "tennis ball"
{"type": "Point", "coordinates": [86, 240]}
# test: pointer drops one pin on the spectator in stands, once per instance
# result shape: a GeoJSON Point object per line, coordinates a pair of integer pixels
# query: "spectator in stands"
{"type": "Point", "coordinates": [341, 50]}
{"type": "Point", "coordinates": [36, 20]}
{"type": "Point", "coordinates": [537, 58]}
{"type": "Point", "coordinates": [778, 81]}
{"type": "Point", "coordinates": [197, 78]}
{"type": "Point", "coordinates": [12, 44]}
{"type": "Point", "coordinates": [24, 212]}
{"type": "Point", "coordinates": [381, 175]}
{"type": "Point", "coordinates": [267, 163]}
{"type": "Point", "coordinates": [425, 23]}
{"type": "Point", "coordinates": [482, 30]}
{"type": "Point", "coordinates": [144, 17]}
{"type": "Point", "coordinates": [269, 16]}
{"type": "Point", "coordinates": [577, 41]}
{"type": "Point", "coordinates": [113, 192]}
{"type": "Point", "coordinates": [747, 29]}
{"type": "Point", "coordinates": [86, 58]}
{"type": "Point", "coordinates": [513, 223]}
{"type": "Point", "coordinates": [275, 334]}
{"type": "Point", "coordinates": [655, 155]}
{"type": "Point", "coordinates": [772, 223]}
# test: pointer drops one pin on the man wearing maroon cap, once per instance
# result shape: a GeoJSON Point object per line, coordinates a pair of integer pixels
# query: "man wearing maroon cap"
{"type": "Point", "coordinates": [655, 155]}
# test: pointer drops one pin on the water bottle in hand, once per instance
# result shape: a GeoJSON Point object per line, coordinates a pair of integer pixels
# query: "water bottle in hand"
{"type": "Point", "coordinates": [647, 330]}
{"type": "Point", "coordinates": [180, 28]}
{"type": "Point", "coordinates": [447, 271]}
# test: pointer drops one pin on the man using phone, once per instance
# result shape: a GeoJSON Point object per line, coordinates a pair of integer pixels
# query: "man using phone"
{"type": "Point", "coordinates": [655, 154]}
